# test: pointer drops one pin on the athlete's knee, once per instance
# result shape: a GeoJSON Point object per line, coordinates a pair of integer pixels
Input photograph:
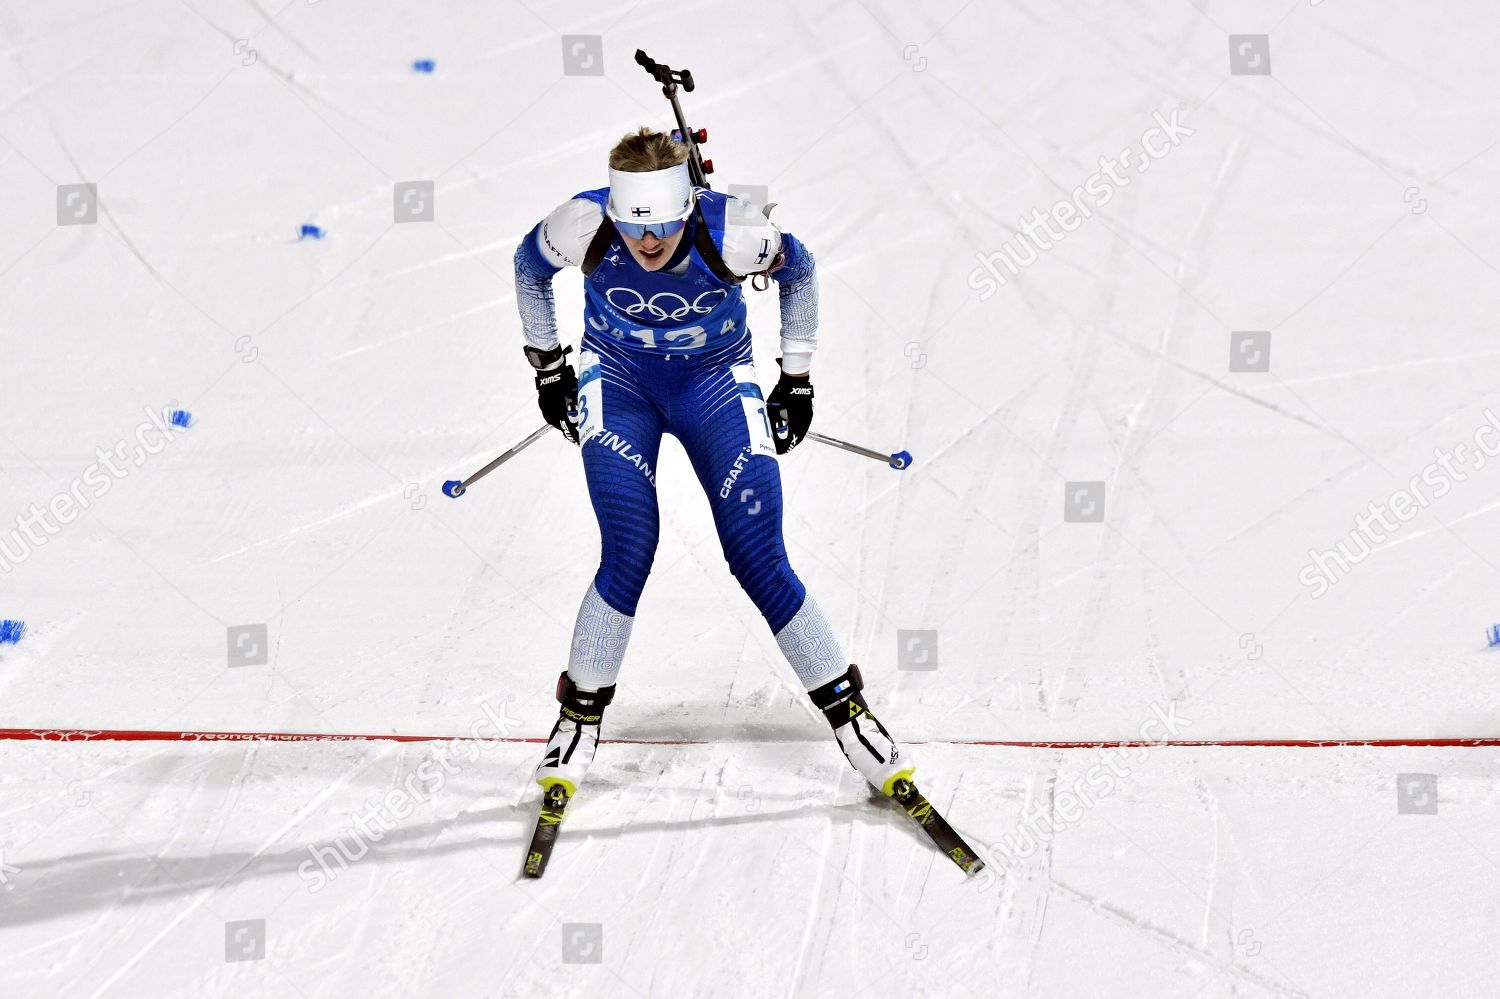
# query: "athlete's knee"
{"type": "Point", "coordinates": [629, 527]}
{"type": "Point", "coordinates": [623, 569]}
{"type": "Point", "coordinates": [750, 537]}
{"type": "Point", "coordinates": [761, 569]}
{"type": "Point", "coordinates": [771, 585]}
{"type": "Point", "coordinates": [752, 544]}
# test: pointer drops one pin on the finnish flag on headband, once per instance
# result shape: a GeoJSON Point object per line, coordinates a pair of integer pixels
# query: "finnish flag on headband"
{"type": "Point", "coordinates": [653, 196]}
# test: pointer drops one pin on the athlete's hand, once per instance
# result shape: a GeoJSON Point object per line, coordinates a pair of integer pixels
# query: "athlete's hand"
{"type": "Point", "coordinates": [556, 389]}
{"type": "Point", "coordinates": [790, 407]}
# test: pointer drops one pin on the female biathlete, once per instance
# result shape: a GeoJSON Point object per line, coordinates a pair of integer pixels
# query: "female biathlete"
{"type": "Point", "coordinates": [666, 350]}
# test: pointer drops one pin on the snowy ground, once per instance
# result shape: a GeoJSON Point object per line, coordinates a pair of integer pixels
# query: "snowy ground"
{"type": "Point", "coordinates": [1342, 209]}
{"type": "Point", "coordinates": [738, 870]}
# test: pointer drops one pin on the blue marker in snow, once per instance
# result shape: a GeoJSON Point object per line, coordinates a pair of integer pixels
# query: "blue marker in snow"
{"type": "Point", "coordinates": [180, 418]}
{"type": "Point", "coordinates": [310, 232]}
{"type": "Point", "coordinates": [11, 631]}
{"type": "Point", "coordinates": [1494, 635]}
{"type": "Point", "coordinates": [424, 65]}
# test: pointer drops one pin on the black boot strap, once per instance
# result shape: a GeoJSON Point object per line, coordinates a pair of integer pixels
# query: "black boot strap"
{"type": "Point", "coordinates": [583, 706]}
{"type": "Point", "coordinates": [840, 699]}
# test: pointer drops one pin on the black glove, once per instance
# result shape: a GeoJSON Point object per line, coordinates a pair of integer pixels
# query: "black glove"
{"type": "Point", "coordinates": [556, 388]}
{"type": "Point", "coordinates": [790, 407]}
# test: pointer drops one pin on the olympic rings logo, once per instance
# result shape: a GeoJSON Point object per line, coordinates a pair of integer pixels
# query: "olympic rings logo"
{"type": "Point", "coordinates": [677, 307]}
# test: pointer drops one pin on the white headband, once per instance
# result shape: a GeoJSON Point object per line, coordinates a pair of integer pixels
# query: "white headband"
{"type": "Point", "coordinates": [654, 196]}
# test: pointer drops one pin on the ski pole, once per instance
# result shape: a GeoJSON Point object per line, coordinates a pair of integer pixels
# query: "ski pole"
{"type": "Point", "coordinates": [900, 461]}
{"type": "Point", "coordinates": [454, 488]}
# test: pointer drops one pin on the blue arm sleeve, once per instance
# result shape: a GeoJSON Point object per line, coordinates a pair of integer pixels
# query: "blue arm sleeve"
{"type": "Point", "coordinates": [797, 282]}
{"type": "Point", "coordinates": [534, 294]}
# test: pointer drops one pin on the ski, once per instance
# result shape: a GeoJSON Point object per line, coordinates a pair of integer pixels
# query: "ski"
{"type": "Point", "coordinates": [554, 803]}
{"type": "Point", "coordinates": [943, 836]}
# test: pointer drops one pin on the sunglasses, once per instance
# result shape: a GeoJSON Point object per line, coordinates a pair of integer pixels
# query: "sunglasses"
{"type": "Point", "coordinates": [661, 230]}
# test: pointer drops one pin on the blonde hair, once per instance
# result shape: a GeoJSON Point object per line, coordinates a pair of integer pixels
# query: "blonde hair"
{"type": "Point", "coordinates": [645, 150]}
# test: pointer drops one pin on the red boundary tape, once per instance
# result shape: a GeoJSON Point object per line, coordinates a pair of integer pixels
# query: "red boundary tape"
{"type": "Point", "coordinates": [146, 735]}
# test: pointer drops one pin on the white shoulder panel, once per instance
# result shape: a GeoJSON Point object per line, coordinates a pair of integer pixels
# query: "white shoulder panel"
{"type": "Point", "coordinates": [751, 241]}
{"type": "Point", "coordinates": [565, 234]}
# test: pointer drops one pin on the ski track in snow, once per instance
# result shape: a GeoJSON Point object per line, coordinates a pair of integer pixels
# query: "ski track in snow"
{"type": "Point", "coordinates": [1170, 940]}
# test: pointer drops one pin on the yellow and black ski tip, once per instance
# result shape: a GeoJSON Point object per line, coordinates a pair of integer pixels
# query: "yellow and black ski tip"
{"type": "Point", "coordinates": [554, 804]}
{"type": "Point", "coordinates": [943, 836]}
